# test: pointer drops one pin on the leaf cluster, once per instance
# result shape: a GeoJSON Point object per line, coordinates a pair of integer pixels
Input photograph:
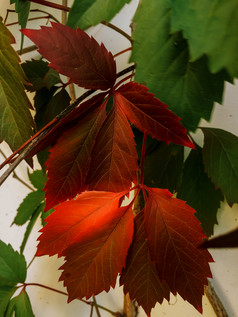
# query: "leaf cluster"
{"type": "Point", "coordinates": [119, 137]}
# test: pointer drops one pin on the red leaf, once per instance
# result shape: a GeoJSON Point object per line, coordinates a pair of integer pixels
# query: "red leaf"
{"type": "Point", "coordinates": [114, 157]}
{"type": "Point", "coordinates": [174, 235]}
{"type": "Point", "coordinates": [76, 55]}
{"type": "Point", "coordinates": [93, 233]}
{"type": "Point", "coordinates": [69, 160]}
{"type": "Point", "coordinates": [140, 277]}
{"type": "Point", "coordinates": [68, 122]}
{"type": "Point", "coordinates": [150, 115]}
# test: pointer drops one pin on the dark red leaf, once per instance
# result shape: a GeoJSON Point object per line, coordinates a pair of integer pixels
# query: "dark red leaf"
{"type": "Point", "coordinates": [93, 233]}
{"type": "Point", "coordinates": [150, 115]}
{"type": "Point", "coordinates": [69, 160]}
{"type": "Point", "coordinates": [68, 122]}
{"type": "Point", "coordinates": [74, 54]}
{"type": "Point", "coordinates": [174, 235]}
{"type": "Point", "coordinates": [114, 157]}
{"type": "Point", "coordinates": [140, 277]}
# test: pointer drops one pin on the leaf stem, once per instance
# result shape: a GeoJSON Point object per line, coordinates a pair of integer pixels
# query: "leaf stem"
{"type": "Point", "coordinates": [93, 303]}
{"type": "Point", "coordinates": [121, 81]}
{"type": "Point", "coordinates": [16, 176]}
{"type": "Point", "coordinates": [123, 51]}
{"type": "Point", "coordinates": [51, 5]}
{"type": "Point", "coordinates": [118, 30]}
{"type": "Point", "coordinates": [142, 161]}
{"type": "Point", "coordinates": [96, 306]}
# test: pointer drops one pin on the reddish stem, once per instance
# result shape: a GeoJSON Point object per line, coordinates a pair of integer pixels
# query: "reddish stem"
{"type": "Point", "coordinates": [142, 160]}
{"type": "Point", "coordinates": [122, 81]}
{"type": "Point", "coordinates": [51, 5]}
{"type": "Point", "coordinates": [122, 52]}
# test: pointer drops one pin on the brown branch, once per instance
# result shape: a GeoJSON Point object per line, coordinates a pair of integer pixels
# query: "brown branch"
{"type": "Point", "coordinates": [51, 5]}
{"type": "Point", "coordinates": [115, 28]}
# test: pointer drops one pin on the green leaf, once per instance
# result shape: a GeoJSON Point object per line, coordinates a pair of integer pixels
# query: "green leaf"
{"type": "Point", "coordinates": [49, 105]}
{"type": "Point", "coordinates": [220, 156]}
{"type": "Point", "coordinates": [31, 202]}
{"type": "Point", "coordinates": [20, 305]}
{"type": "Point", "coordinates": [199, 192]}
{"type": "Point", "coordinates": [38, 179]}
{"type": "Point", "coordinates": [45, 214]}
{"type": "Point", "coordinates": [163, 65]}
{"type": "Point", "coordinates": [30, 225]}
{"type": "Point", "coordinates": [15, 119]}
{"type": "Point", "coordinates": [12, 266]}
{"type": "Point", "coordinates": [22, 8]}
{"type": "Point", "coordinates": [6, 293]}
{"type": "Point", "coordinates": [85, 13]}
{"type": "Point", "coordinates": [40, 75]}
{"type": "Point", "coordinates": [163, 167]}
{"type": "Point", "coordinates": [211, 28]}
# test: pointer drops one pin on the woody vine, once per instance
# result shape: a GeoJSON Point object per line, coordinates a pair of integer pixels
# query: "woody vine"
{"type": "Point", "coordinates": [119, 137]}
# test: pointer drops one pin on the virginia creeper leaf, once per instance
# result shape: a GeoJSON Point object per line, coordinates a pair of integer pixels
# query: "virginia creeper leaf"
{"type": "Point", "coordinates": [114, 158]}
{"type": "Point", "coordinates": [40, 75]}
{"type": "Point", "coordinates": [140, 277]}
{"type": "Point", "coordinates": [174, 234]}
{"type": "Point", "coordinates": [220, 156]}
{"type": "Point", "coordinates": [91, 12]}
{"type": "Point", "coordinates": [38, 211]}
{"type": "Point", "coordinates": [30, 203]}
{"type": "Point", "coordinates": [38, 179]}
{"type": "Point", "coordinates": [199, 192]}
{"type": "Point", "coordinates": [52, 104]}
{"type": "Point", "coordinates": [150, 115]}
{"type": "Point", "coordinates": [163, 65]}
{"type": "Point", "coordinates": [15, 118]}
{"type": "Point", "coordinates": [68, 122]}
{"type": "Point", "coordinates": [20, 306]}
{"type": "Point", "coordinates": [22, 8]}
{"type": "Point", "coordinates": [12, 266]}
{"type": "Point", "coordinates": [6, 293]}
{"type": "Point", "coordinates": [227, 240]}
{"type": "Point", "coordinates": [211, 29]}
{"type": "Point", "coordinates": [69, 159]}
{"type": "Point", "coordinates": [76, 55]}
{"type": "Point", "coordinates": [93, 233]}
{"type": "Point", "coordinates": [163, 166]}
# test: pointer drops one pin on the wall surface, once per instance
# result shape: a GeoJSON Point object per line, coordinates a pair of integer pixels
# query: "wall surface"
{"type": "Point", "coordinates": [44, 270]}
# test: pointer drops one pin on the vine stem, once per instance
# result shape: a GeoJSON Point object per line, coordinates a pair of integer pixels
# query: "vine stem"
{"type": "Point", "coordinates": [51, 5]}
{"type": "Point", "coordinates": [93, 303]}
{"type": "Point", "coordinates": [118, 30]}
{"type": "Point", "coordinates": [122, 52]}
{"type": "Point", "coordinates": [27, 147]}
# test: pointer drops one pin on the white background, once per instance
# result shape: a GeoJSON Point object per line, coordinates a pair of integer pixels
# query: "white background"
{"type": "Point", "coordinates": [44, 270]}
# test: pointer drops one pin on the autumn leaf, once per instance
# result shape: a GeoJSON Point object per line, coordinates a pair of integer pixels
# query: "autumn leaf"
{"type": "Point", "coordinates": [76, 55]}
{"type": "Point", "coordinates": [174, 234]}
{"type": "Point", "coordinates": [140, 277]}
{"type": "Point", "coordinates": [114, 158]}
{"type": "Point", "coordinates": [93, 233]}
{"type": "Point", "coordinates": [68, 122]}
{"type": "Point", "coordinates": [150, 115]}
{"type": "Point", "coordinates": [69, 159]}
